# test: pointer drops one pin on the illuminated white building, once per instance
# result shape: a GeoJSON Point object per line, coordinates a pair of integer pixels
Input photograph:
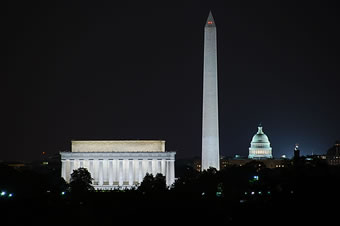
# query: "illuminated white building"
{"type": "Point", "coordinates": [119, 164]}
{"type": "Point", "coordinates": [260, 146]}
{"type": "Point", "coordinates": [210, 133]}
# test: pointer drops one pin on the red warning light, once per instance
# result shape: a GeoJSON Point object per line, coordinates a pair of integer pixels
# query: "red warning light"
{"type": "Point", "coordinates": [210, 22]}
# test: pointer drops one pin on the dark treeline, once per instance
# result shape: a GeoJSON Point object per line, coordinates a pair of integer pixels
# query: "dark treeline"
{"type": "Point", "coordinates": [248, 194]}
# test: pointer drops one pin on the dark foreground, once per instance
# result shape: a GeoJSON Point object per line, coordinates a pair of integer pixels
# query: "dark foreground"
{"type": "Point", "coordinates": [132, 208]}
{"type": "Point", "coordinates": [299, 194]}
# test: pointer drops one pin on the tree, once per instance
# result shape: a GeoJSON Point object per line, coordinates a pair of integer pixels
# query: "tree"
{"type": "Point", "coordinates": [81, 181]}
{"type": "Point", "coordinates": [159, 182]}
{"type": "Point", "coordinates": [146, 185]}
{"type": "Point", "coordinates": [208, 182]}
{"type": "Point", "coordinates": [151, 184]}
{"type": "Point", "coordinates": [188, 183]}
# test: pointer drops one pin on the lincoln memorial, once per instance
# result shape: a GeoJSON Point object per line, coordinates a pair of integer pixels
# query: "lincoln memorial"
{"type": "Point", "coordinates": [119, 163]}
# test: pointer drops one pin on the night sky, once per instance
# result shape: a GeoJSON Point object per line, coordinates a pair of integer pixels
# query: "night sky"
{"type": "Point", "coordinates": [96, 70]}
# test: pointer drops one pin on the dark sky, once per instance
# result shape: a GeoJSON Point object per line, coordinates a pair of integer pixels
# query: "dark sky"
{"type": "Point", "coordinates": [96, 70]}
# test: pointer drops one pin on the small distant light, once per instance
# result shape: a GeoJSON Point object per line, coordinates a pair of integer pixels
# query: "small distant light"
{"type": "Point", "coordinates": [268, 192]}
{"type": "Point", "coordinates": [3, 193]}
{"type": "Point", "coordinates": [203, 193]}
{"type": "Point", "coordinates": [253, 193]}
{"type": "Point", "coordinates": [242, 201]}
{"type": "Point", "coordinates": [10, 195]}
{"type": "Point", "coordinates": [63, 193]}
{"type": "Point", "coordinates": [260, 193]}
{"type": "Point", "coordinates": [246, 193]}
{"type": "Point", "coordinates": [256, 177]}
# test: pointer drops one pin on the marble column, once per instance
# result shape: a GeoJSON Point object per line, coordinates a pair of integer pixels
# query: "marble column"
{"type": "Point", "coordinates": [159, 164]}
{"type": "Point", "coordinates": [105, 171]}
{"type": "Point", "coordinates": [130, 172]}
{"type": "Point", "coordinates": [154, 167]}
{"type": "Point", "coordinates": [150, 166]}
{"type": "Point", "coordinates": [163, 167]}
{"type": "Point", "coordinates": [120, 172]}
{"type": "Point", "coordinates": [110, 172]}
{"type": "Point", "coordinates": [81, 163]}
{"type": "Point", "coordinates": [71, 166]}
{"type": "Point", "coordinates": [145, 167]}
{"type": "Point", "coordinates": [86, 165]}
{"type": "Point", "coordinates": [76, 164]}
{"type": "Point", "coordinates": [115, 170]}
{"type": "Point", "coordinates": [167, 172]}
{"type": "Point", "coordinates": [68, 170]}
{"type": "Point", "coordinates": [91, 168]}
{"type": "Point", "coordinates": [172, 172]}
{"type": "Point", "coordinates": [100, 173]}
{"type": "Point", "coordinates": [95, 170]}
{"type": "Point", "coordinates": [125, 170]}
{"type": "Point", "coordinates": [136, 170]}
{"type": "Point", "coordinates": [140, 171]}
{"type": "Point", "coordinates": [63, 169]}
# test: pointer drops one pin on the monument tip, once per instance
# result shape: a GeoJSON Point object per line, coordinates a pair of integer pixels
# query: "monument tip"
{"type": "Point", "coordinates": [210, 21]}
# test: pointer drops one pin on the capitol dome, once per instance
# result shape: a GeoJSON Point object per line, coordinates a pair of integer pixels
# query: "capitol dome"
{"type": "Point", "coordinates": [260, 146]}
{"type": "Point", "coordinates": [260, 137]}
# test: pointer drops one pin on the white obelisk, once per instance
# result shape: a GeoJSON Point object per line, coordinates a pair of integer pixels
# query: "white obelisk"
{"type": "Point", "coordinates": [210, 137]}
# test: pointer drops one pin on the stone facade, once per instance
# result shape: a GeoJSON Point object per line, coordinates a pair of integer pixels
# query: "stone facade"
{"type": "Point", "coordinates": [118, 146]}
{"type": "Point", "coordinates": [210, 133]}
{"type": "Point", "coordinates": [114, 169]}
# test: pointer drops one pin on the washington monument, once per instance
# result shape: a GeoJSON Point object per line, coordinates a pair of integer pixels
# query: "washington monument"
{"type": "Point", "coordinates": [210, 137]}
